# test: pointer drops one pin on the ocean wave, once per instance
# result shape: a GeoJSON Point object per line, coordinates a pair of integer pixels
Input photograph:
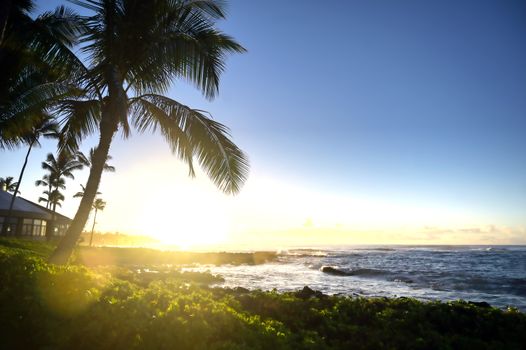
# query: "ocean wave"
{"type": "Point", "coordinates": [302, 252]}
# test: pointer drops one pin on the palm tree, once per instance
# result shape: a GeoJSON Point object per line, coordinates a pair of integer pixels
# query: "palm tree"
{"type": "Point", "coordinates": [87, 161]}
{"type": "Point", "coordinates": [98, 204]}
{"type": "Point", "coordinates": [10, 186]}
{"type": "Point", "coordinates": [59, 168]}
{"type": "Point", "coordinates": [49, 182]}
{"type": "Point", "coordinates": [54, 197]}
{"type": "Point", "coordinates": [44, 127]}
{"type": "Point", "coordinates": [134, 50]}
{"type": "Point", "coordinates": [80, 194]}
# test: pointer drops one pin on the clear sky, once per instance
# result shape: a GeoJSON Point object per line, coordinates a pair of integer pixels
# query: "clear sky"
{"type": "Point", "coordinates": [365, 122]}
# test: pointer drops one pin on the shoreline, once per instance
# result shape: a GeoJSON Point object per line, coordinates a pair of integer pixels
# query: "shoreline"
{"type": "Point", "coordinates": [249, 270]}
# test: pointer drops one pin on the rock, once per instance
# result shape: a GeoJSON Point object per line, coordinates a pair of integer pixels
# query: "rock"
{"type": "Point", "coordinates": [307, 293]}
{"type": "Point", "coordinates": [241, 290]}
{"type": "Point", "coordinates": [334, 271]}
{"type": "Point", "coordinates": [479, 303]}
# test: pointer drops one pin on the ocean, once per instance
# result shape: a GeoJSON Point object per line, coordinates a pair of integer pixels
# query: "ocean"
{"type": "Point", "coordinates": [492, 274]}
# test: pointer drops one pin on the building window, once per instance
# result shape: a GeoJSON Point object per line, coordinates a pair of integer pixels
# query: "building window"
{"type": "Point", "coordinates": [43, 229]}
{"type": "Point", "coordinates": [60, 229]}
{"type": "Point", "coordinates": [27, 227]}
{"type": "Point", "coordinates": [34, 227]}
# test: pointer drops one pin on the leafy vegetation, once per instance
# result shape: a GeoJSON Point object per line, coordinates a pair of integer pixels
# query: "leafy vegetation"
{"type": "Point", "coordinates": [62, 307]}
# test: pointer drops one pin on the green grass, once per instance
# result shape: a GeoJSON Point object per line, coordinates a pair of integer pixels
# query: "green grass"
{"type": "Point", "coordinates": [117, 307]}
{"type": "Point", "coordinates": [38, 248]}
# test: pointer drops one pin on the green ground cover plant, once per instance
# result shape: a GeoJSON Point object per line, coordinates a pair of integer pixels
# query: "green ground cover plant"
{"type": "Point", "coordinates": [118, 307]}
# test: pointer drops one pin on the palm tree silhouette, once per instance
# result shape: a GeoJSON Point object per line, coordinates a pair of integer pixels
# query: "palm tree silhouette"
{"type": "Point", "coordinates": [10, 186]}
{"type": "Point", "coordinates": [59, 168]}
{"type": "Point", "coordinates": [98, 204]}
{"type": "Point", "coordinates": [134, 50]}
{"type": "Point", "coordinates": [87, 161]}
{"type": "Point", "coordinates": [80, 194]}
{"type": "Point", "coordinates": [43, 128]}
{"type": "Point", "coordinates": [51, 184]}
{"type": "Point", "coordinates": [54, 197]}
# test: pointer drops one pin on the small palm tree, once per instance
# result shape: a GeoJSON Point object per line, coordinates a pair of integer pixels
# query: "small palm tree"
{"type": "Point", "coordinates": [53, 199]}
{"type": "Point", "coordinates": [59, 168]}
{"type": "Point", "coordinates": [80, 193]}
{"type": "Point", "coordinates": [87, 161]}
{"type": "Point", "coordinates": [98, 204]}
{"type": "Point", "coordinates": [8, 183]}
{"type": "Point", "coordinates": [50, 183]}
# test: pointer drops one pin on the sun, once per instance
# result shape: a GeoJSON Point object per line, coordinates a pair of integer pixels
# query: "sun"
{"type": "Point", "coordinates": [191, 225]}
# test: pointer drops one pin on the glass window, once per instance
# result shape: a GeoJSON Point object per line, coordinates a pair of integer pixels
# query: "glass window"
{"type": "Point", "coordinates": [27, 229]}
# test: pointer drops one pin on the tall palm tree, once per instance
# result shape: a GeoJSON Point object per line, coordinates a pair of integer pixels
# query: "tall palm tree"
{"type": "Point", "coordinates": [87, 161]}
{"type": "Point", "coordinates": [44, 127]}
{"type": "Point", "coordinates": [10, 185]}
{"type": "Point", "coordinates": [134, 50]}
{"type": "Point", "coordinates": [98, 204]}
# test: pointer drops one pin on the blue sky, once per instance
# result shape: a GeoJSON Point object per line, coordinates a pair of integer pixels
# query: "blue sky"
{"type": "Point", "coordinates": [421, 103]}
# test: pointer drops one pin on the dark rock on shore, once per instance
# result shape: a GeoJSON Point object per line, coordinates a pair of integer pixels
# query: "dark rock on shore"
{"type": "Point", "coordinates": [334, 271]}
{"type": "Point", "coordinates": [307, 292]}
{"type": "Point", "coordinates": [479, 303]}
{"type": "Point", "coordinates": [240, 290]}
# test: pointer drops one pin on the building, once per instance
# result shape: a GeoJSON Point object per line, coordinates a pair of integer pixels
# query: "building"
{"type": "Point", "coordinates": [29, 219]}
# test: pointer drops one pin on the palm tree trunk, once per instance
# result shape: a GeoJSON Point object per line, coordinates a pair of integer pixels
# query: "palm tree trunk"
{"type": "Point", "coordinates": [115, 110]}
{"type": "Point", "coordinates": [5, 9]}
{"type": "Point", "coordinates": [50, 189]}
{"type": "Point", "coordinates": [9, 212]}
{"type": "Point", "coordinates": [93, 227]}
{"type": "Point", "coordinates": [53, 219]}
{"type": "Point", "coordinates": [69, 241]}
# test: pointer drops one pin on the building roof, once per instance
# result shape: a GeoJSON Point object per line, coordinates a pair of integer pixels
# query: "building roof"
{"type": "Point", "coordinates": [25, 208]}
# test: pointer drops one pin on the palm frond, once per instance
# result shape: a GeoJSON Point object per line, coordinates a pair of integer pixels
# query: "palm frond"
{"type": "Point", "coordinates": [207, 140]}
{"type": "Point", "coordinates": [78, 119]}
